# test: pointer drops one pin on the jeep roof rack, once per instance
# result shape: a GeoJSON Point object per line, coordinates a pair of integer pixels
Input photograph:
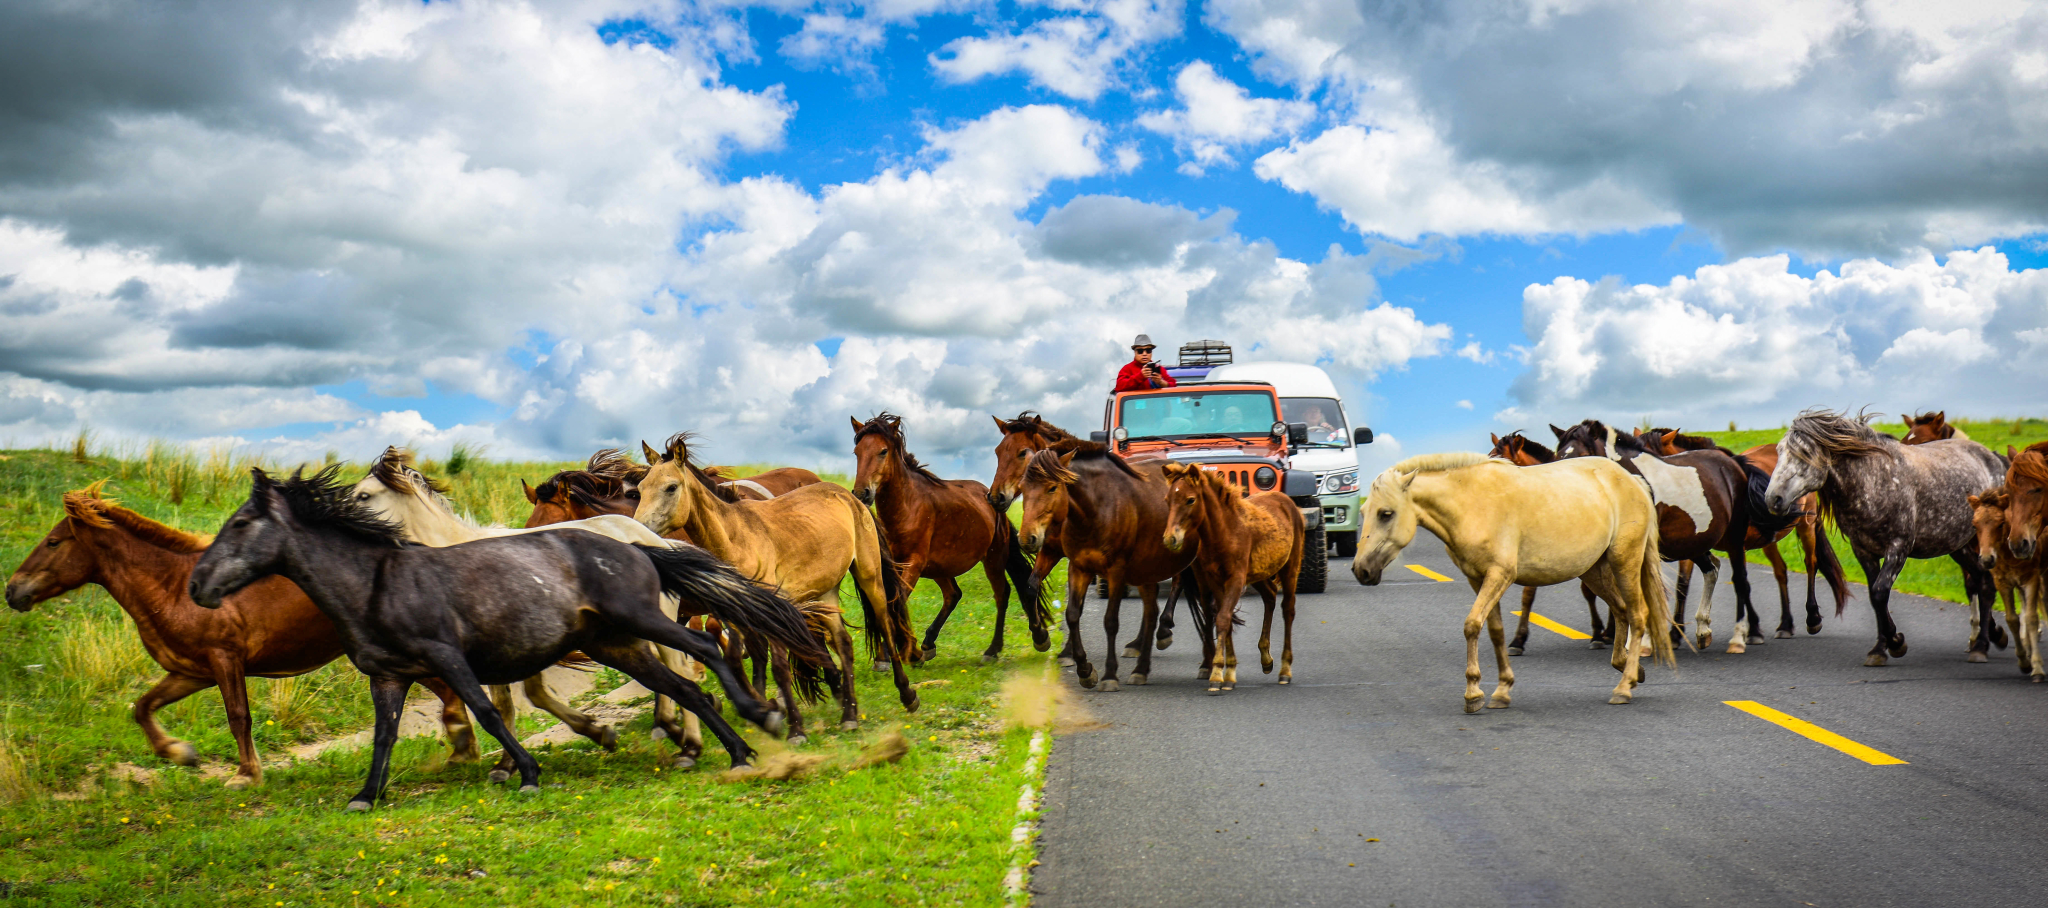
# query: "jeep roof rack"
{"type": "Point", "coordinates": [1204, 353]}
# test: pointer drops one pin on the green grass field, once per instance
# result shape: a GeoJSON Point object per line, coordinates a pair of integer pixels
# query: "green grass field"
{"type": "Point", "coordinates": [932, 829]}
{"type": "Point", "coordinates": [1939, 578]}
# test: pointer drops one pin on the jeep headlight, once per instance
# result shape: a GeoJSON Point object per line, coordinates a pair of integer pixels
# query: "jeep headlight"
{"type": "Point", "coordinates": [1346, 481]}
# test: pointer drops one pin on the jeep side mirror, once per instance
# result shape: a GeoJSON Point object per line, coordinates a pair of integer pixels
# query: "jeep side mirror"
{"type": "Point", "coordinates": [1362, 435]}
{"type": "Point", "coordinates": [1297, 433]}
{"type": "Point", "coordinates": [1099, 437]}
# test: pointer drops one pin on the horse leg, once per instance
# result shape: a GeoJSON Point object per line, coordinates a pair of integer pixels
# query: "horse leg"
{"type": "Point", "coordinates": [1165, 638]}
{"type": "Point", "coordinates": [387, 701]}
{"type": "Point", "coordinates": [1041, 568]}
{"type": "Point", "coordinates": [1521, 641]}
{"type": "Point", "coordinates": [1684, 586]}
{"type": "Point", "coordinates": [1746, 621]}
{"type": "Point", "coordinates": [455, 723]}
{"type": "Point", "coordinates": [453, 667]}
{"type": "Point", "coordinates": [1602, 633]}
{"type": "Point", "coordinates": [2017, 624]}
{"type": "Point", "coordinates": [1287, 643]}
{"type": "Point", "coordinates": [949, 589]}
{"type": "Point", "coordinates": [1077, 652]}
{"type": "Point", "coordinates": [1223, 673]}
{"type": "Point", "coordinates": [234, 694]}
{"type": "Point", "coordinates": [631, 656]}
{"type": "Point", "coordinates": [1883, 571]}
{"type": "Point", "coordinates": [166, 692]}
{"type": "Point", "coordinates": [849, 700]}
{"type": "Point", "coordinates": [1142, 642]}
{"type": "Point", "coordinates": [1786, 629]}
{"type": "Point", "coordinates": [1111, 615]}
{"type": "Point", "coordinates": [1142, 672]}
{"type": "Point", "coordinates": [687, 733]}
{"type": "Point", "coordinates": [508, 708]}
{"type": "Point", "coordinates": [786, 692]}
{"type": "Point", "coordinates": [1265, 588]}
{"type": "Point", "coordinates": [1495, 630]}
{"type": "Point", "coordinates": [1630, 610]}
{"type": "Point", "coordinates": [657, 629]}
{"type": "Point", "coordinates": [999, 588]}
{"type": "Point", "coordinates": [1710, 577]}
{"type": "Point", "coordinates": [1977, 587]}
{"type": "Point", "coordinates": [1489, 591]}
{"type": "Point", "coordinates": [2030, 628]}
{"type": "Point", "coordinates": [537, 693]}
{"type": "Point", "coordinates": [1809, 543]}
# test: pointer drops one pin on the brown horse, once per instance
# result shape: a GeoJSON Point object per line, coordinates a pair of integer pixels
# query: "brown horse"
{"type": "Point", "coordinates": [610, 482]}
{"type": "Point", "coordinates": [939, 529]}
{"type": "Point", "coordinates": [1930, 427]}
{"type": "Point", "coordinates": [270, 630]}
{"type": "Point", "coordinates": [2026, 481]}
{"type": "Point", "coordinates": [1255, 540]}
{"type": "Point", "coordinates": [1112, 523]}
{"type": "Point", "coordinates": [804, 544]}
{"type": "Point", "coordinates": [1527, 452]}
{"type": "Point", "coordinates": [2011, 574]}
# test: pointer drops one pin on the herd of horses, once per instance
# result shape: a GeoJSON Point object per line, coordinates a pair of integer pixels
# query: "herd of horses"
{"type": "Point", "coordinates": [680, 570]}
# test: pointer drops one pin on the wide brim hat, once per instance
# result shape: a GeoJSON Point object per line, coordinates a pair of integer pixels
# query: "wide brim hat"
{"type": "Point", "coordinates": [1144, 342]}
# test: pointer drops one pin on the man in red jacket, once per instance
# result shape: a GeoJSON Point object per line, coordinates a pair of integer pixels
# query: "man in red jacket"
{"type": "Point", "coordinates": [1141, 373]}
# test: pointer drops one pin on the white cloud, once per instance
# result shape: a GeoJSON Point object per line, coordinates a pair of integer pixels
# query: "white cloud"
{"type": "Point", "coordinates": [834, 39]}
{"type": "Point", "coordinates": [1076, 52]}
{"type": "Point", "coordinates": [1752, 341]}
{"type": "Point", "coordinates": [1464, 405]}
{"type": "Point", "coordinates": [1217, 115]}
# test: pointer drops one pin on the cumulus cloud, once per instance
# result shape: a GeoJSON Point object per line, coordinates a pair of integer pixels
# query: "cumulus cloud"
{"type": "Point", "coordinates": [1217, 115]}
{"type": "Point", "coordinates": [1753, 341]}
{"type": "Point", "coordinates": [1077, 51]}
{"type": "Point", "coordinates": [828, 39]}
{"type": "Point", "coordinates": [1826, 126]}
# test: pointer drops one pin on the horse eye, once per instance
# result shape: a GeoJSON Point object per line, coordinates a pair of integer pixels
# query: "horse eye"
{"type": "Point", "coordinates": [635, 494]}
{"type": "Point", "coordinates": [1386, 514]}
{"type": "Point", "coordinates": [54, 542]}
{"type": "Point", "coordinates": [362, 496]}
{"type": "Point", "coordinates": [671, 488]}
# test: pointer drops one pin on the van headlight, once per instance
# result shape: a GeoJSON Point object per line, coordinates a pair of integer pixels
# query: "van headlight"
{"type": "Point", "coordinates": [1346, 481]}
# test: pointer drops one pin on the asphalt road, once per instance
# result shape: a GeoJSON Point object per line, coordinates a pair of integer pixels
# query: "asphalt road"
{"type": "Point", "coordinates": [1273, 796]}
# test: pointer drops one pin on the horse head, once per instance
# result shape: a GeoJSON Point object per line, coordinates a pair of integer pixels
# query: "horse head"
{"type": "Point", "coordinates": [1187, 493]}
{"type": "Point", "coordinates": [1927, 427]}
{"type": "Point", "coordinates": [673, 488]}
{"type": "Point", "coordinates": [877, 453]}
{"type": "Point", "coordinates": [1389, 521]}
{"type": "Point", "coordinates": [2026, 483]}
{"type": "Point", "coordinates": [1590, 438]}
{"type": "Point", "coordinates": [63, 560]}
{"type": "Point", "coordinates": [1987, 516]}
{"type": "Point", "coordinates": [1045, 484]}
{"type": "Point", "coordinates": [259, 537]}
{"type": "Point", "coordinates": [1024, 436]}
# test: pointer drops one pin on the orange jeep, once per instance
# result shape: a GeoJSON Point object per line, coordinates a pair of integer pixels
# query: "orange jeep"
{"type": "Point", "coordinates": [1228, 427]}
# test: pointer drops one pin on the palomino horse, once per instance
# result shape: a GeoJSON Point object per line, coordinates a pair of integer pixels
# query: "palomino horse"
{"type": "Point", "coordinates": [1112, 523]}
{"type": "Point", "coordinates": [1254, 540]}
{"type": "Point", "coordinates": [1580, 518]}
{"type": "Point", "coordinates": [1702, 506]}
{"type": "Point", "coordinates": [270, 630]}
{"type": "Point", "coordinates": [397, 492]}
{"type": "Point", "coordinates": [1893, 502]}
{"type": "Point", "coordinates": [1930, 427]}
{"type": "Point", "coordinates": [1767, 529]}
{"type": "Point", "coordinates": [481, 613]}
{"type": "Point", "coordinates": [1522, 451]}
{"type": "Point", "coordinates": [2011, 574]}
{"type": "Point", "coordinates": [803, 544]}
{"type": "Point", "coordinates": [940, 528]}
{"type": "Point", "coordinates": [611, 481]}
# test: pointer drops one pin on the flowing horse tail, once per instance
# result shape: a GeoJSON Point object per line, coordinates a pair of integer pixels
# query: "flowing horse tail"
{"type": "Point", "coordinates": [1830, 566]}
{"type": "Point", "coordinates": [700, 579]}
{"type": "Point", "coordinates": [888, 628]}
{"type": "Point", "coordinates": [1653, 593]}
{"type": "Point", "coordinates": [1029, 595]}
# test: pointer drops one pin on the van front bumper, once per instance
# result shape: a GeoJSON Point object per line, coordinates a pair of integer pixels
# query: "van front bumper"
{"type": "Point", "coordinates": [1340, 512]}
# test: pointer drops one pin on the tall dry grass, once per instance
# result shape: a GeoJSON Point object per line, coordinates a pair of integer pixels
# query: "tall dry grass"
{"type": "Point", "coordinates": [17, 782]}
{"type": "Point", "coordinates": [101, 654]}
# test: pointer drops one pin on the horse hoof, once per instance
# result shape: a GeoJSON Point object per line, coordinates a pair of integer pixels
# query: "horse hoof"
{"type": "Point", "coordinates": [1472, 705]}
{"type": "Point", "coordinates": [1286, 678]}
{"type": "Point", "coordinates": [930, 653]}
{"type": "Point", "coordinates": [881, 666]}
{"type": "Point", "coordinates": [2039, 678]}
{"type": "Point", "coordinates": [849, 725]}
{"type": "Point", "coordinates": [528, 789]}
{"type": "Point", "coordinates": [1165, 640]}
{"type": "Point", "coordinates": [181, 753]}
{"type": "Point", "coordinates": [1066, 662]}
{"type": "Point", "coordinates": [358, 805]}
{"type": "Point", "coordinates": [1998, 638]}
{"type": "Point", "coordinates": [1898, 647]}
{"type": "Point", "coordinates": [1130, 652]}
{"type": "Point", "coordinates": [797, 740]}
{"type": "Point", "coordinates": [1785, 633]}
{"type": "Point", "coordinates": [1137, 679]}
{"type": "Point", "coordinates": [1496, 703]}
{"type": "Point", "coordinates": [1266, 665]}
{"type": "Point", "coordinates": [773, 723]}
{"type": "Point", "coordinates": [987, 658]}
{"type": "Point", "coordinates": [609, 740]}
{"type": "Point", "coordinates": [1756, 639]}
{"type": "Point", "coordinates": [1597, 643]}
{"type": "Point", "coordinates": [1874, 660]}
{"type": "Point", "coordinates": [241, 781]}
{"type": "Point", "coordinates": [1620, 700]}
{"type": "Point", "coordinates": [1215, 689]}
{"type": "Point", "coordinates": [1812, 628]}
{"type": "Point", "coordinates": [911, 703]}
{"type": "Point", "coordinates": [1976, 657]}
{"type": "Point", "coordinates": [1706, 639]}
{"type": "Point", "coordinates": [1108, 686]}
{"type": "Point", "coordinates": [1088, 678]}
{"type": "Point", "coordinates": [685, 763]}
{"type": "Point", "coordinates": [499, 775]}
{"type": "Point", "coordinates": [1229, 685]}
{"type": "Point", "coordinates": [1514, 650]}
{"type": "Point", "coordinates": [1737, 647]}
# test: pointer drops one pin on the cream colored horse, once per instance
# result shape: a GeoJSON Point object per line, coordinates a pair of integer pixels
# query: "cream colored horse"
{"type": "Point", "coordinates": [405, 496]}
{"type": "Point", "coordinates": [1580, 519]}
{"type": "Point", "coordinates": [803, 542]}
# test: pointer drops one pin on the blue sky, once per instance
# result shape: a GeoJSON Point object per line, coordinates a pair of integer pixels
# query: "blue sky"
{"type": "Point", "coordinates": [546, 227]}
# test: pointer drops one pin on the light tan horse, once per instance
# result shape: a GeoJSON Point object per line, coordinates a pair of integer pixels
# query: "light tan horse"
{"type": "Point", "coordinates": [1584, 518]}
{"type": "Point", "coordinates": [403, 495]}
{"type": "Point", "coordinates": [803, 543]}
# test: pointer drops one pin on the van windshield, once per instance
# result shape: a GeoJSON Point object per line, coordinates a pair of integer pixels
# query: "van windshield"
{"type": "Point", "coordinates": [1325, 418]}
{"type": "Point", "coordinates": [1241, 413]}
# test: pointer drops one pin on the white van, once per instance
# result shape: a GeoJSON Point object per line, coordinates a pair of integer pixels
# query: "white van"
{"type": "Point", "coordinates": [1307, 395]}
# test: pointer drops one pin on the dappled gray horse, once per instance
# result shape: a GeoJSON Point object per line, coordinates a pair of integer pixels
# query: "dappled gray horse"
{"type": "Point", "coordinates": [1893, 502]}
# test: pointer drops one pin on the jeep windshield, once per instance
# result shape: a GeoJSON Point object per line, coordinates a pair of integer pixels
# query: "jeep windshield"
{"type": "Point", "coordinates": [1185, 414]}
{"type": "Point", "coordinates": [1325, 419]}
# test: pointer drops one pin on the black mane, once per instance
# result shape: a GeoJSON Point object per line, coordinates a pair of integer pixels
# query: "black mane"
{"type": "Point", "coordinates": [1533, 446]}
{"type": "Point", "coordinates": [324, 500]}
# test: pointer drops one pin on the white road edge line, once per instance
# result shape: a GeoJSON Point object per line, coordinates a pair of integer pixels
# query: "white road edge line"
{"type": "Point", "coordinates": [1027, 805]}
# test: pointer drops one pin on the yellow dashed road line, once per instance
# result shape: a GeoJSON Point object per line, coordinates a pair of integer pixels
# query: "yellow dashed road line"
{"type": "Point", "coordinates": [1549, 625]}
{"type": "Point", "coordinates": [1426, 572]}
{"type": "Point", "coordinates": [1814, 732]}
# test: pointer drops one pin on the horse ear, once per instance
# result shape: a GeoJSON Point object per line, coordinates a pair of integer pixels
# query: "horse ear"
{"type": "Point", "coordinates": [1975, 502]}
{"type": "Point", "coordinates": [1496, 439]}
{"type": "Point", "coordinates": [999, 421]}
{"type": "Point", "coordinates": [647, 451]}
{"type": "Point", "coordinates": [1554, 430]}
{"type": "Point", "coordinates": [532, 497]}
{"type": "Point", "coordinates": [1408, 479]}
{"type": "Point", "coordinates": [2010, 453]}
{"type": "Point", "coordinates": [856, 424]}
{"type": "Point", "coordinates": [1908, 420]}
{"type": "Point", "coordinates": [1067, 459]}
{"type": "Point", "coordinates": [1941, 416]}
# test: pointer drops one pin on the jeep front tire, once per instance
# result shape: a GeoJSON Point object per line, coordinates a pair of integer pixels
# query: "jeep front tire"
{"type": "Point", "coordinates": [1315, 562]}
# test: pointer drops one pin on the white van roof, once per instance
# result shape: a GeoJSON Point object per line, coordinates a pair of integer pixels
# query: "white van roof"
{"type": "Point", "coordinates": [1287, 379]}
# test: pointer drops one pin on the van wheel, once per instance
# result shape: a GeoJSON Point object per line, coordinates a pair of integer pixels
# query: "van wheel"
{"type": "Point", "coordinates": [1346, 543]}
{"type": "Point", "coordinates": [1102, 589]}
{"type": "Point", "coordinates": [1315, 563]}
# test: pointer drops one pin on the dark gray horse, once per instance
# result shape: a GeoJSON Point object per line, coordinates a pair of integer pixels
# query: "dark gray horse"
{"type": "Point", "coordinates": [1893, 502]}
{"type": "Point", "coordinates": [491, 611]}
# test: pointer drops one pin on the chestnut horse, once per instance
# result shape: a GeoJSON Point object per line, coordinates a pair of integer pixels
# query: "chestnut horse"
{"type": "Point", "coordinates": [1255, 540]}
{"type": "Point", "coordinates": [1526, 452]}
{"type": "Point", "coordinates": [270, 630]}
{"type": "Point", "coordinates": [1930, 427]}
{"type": "Point", "coordinates": [1817, 551]}
{"type": "Point", "coordinates": [1112, 523]}
{"type": "Point", "coordinates": [611, 481]}
{"type": "Point", "coordinates": [2011, 574]}
{"type": "Point", "coordinates": [938, 529]}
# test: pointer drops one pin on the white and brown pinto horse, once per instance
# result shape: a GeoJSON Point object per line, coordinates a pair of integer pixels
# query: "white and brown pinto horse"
{"type": "Point", "coordinates": [1578, 519]}
{"type": "Point", "coordinates": [1893, 502]}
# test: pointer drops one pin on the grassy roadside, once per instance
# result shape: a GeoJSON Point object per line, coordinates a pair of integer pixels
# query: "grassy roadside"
{"type": "Point", "coordinates": [933, 828]}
